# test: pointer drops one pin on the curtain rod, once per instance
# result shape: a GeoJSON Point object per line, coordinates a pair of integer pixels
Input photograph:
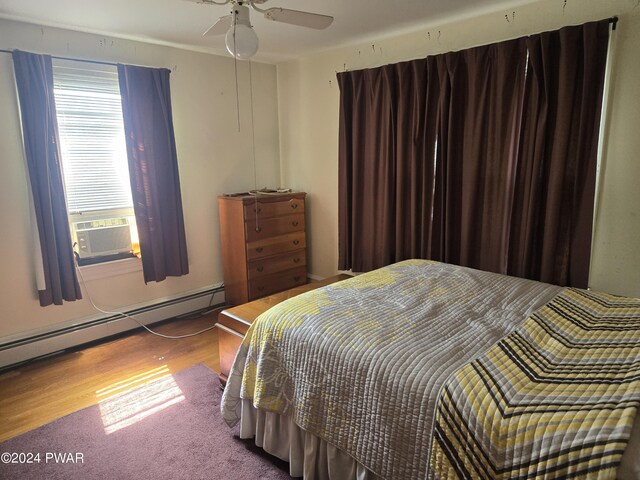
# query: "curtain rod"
{"type": "Point", "coordinates": [98, 62]}
{"type": "Point", "coordinates": [84, 60]}
{"type": "Point", "coordinates": [614, 21]}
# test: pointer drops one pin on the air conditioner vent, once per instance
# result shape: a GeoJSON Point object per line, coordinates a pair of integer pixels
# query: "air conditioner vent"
{"type": "Point", "coordinates": [103, 237]}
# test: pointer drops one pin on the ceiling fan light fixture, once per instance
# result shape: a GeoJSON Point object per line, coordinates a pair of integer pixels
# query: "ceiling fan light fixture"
{"type": "Point", "coordinates": [241, 41]}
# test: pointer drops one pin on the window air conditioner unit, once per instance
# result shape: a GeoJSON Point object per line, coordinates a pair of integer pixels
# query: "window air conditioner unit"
{"type": "Point", "coordinates": [103, 237]}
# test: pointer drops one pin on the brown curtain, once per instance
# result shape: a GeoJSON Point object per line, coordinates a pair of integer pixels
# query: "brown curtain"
{"type": "Point", "coordinates": [153, 170]}
{"type": "Point", "coordinates": [34, 79]}
{"type": "Point", "coordinates": [420, 148]}
{"type": "Point", "coordinates": [449, 157]}
{"type": "Point", "coordinates": [482, 105]}
{"type": "Point", "coordinates": [386, 180]}
{"type": "Point", "coordinates": [556, 169]}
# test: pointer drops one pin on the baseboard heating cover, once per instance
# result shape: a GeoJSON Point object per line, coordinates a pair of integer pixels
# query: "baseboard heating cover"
{"type": "Point", "coordinates": [94, 328]}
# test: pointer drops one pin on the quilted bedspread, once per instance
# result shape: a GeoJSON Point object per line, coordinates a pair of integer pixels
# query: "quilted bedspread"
{"type": "Point", "coordinates": [556, 398]}
{"type": "Point", "coordinates": [361, 363]}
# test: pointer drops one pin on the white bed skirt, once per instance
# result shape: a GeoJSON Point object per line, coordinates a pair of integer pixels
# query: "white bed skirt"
{"type": "Point", "coordinates": [308, 456]}
{"type": "Point", "coordinates": [315, 459]}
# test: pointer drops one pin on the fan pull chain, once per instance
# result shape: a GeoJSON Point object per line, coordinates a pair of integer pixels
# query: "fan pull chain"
{"type": "Point", "coordinates": [253, 129]}
{"type": "Point", "coordinates": [253, 144]}
{"type": "Point", "coordinates": [235, 69]}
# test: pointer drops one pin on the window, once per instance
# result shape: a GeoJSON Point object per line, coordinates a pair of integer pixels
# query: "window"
{"type": "Point", "coordinates": [94, 160]}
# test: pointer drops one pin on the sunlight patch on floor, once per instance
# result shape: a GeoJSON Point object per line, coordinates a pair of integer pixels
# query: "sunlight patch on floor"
{"type": "Point", "coordinates": [135, 398]}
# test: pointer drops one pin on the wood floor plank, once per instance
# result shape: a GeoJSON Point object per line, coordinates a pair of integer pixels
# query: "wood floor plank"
{"type": "Point", "coordinates": [40, 392]}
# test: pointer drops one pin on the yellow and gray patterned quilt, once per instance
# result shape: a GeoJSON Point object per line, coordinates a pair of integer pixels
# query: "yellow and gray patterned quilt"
{"type": "Point", "coordinates": [361, 363]}
{"type": "Point", "coordinates": [556, 398]}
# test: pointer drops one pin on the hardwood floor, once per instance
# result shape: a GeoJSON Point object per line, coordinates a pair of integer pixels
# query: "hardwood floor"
{"type": "Point", "coordinates": [38, 393]}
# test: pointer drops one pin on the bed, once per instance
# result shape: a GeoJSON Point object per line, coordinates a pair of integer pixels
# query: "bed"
{"type": "Point", "coordinates": [428, 370]}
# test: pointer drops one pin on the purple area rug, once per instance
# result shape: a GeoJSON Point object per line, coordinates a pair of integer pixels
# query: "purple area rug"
{"type": "Point", "coordinates": [168, 427]}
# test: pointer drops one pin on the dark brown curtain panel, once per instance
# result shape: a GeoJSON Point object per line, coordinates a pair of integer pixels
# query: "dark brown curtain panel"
{"type": "Point", "coordinates": [478, 138]}
{"type": "Point", "coordinates": [34, 79]}
{"type": "Point", "coordinates": [388, 121]}
{"type": "Point", "coordinates": [556, 168]}
{"type": "Point", "coordinates": [421, 153]}
{"type": "Point", "coordinates": [153, 170]}
{"type": "Point", "coordinates": [484, 158]}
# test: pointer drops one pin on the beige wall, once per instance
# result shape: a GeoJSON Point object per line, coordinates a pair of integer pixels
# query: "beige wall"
{"type": "Point", "coordinates": [308, 106]}
{"type": "Point", "coordinates": [213, 158]}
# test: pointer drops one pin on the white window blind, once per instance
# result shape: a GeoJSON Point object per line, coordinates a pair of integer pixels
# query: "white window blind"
{"type": "Point", "coordinates": [92, 141]}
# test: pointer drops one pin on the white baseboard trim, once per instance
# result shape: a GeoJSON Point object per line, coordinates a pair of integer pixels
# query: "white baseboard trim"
{"type": "Point", "coordinates": [56, 340]}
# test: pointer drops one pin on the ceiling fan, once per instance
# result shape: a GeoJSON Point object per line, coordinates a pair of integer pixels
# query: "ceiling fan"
{"type": "Point", "coordinates": [241, 40]}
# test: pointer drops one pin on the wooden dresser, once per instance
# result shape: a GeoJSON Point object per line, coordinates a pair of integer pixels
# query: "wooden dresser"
{"type": "Point", "coordinates": [234, 322]}
{"type": "Point", "coordinates": [263, 244]}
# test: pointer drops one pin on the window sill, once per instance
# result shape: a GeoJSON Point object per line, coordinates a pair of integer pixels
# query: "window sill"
{"type": "Point", "coordinates": [111, 269]}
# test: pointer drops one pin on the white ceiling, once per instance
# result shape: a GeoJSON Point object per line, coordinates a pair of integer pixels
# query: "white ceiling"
{"type": "Point", "coordinates": [181, 22]}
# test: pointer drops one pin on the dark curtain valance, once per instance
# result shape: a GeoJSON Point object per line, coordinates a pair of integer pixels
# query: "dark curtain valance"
{"type": "Point", "coordinates": [484, 157]}
{"type": "Point", "coordinates": [34, 80]}
{"type": "Point", "coordinates": [153, 171]}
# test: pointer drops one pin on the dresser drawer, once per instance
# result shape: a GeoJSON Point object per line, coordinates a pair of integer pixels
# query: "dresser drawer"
{"type": "Point", "coordinates": [273, 209]}
{"type": "Point", "coordinates": [276, 264]}
{"type": "Point", "coordinates": [269, 284]}
{"type": "Point", "coordinates": [271, 227]}
{"type": "Point", "coordinates": [275, 245]}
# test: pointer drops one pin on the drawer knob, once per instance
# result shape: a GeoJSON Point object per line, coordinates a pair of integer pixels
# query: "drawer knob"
{"type": "Point", "coordinates": [295, 223]}
{"type": "Point", "coordinates": [260, 288]}
{"type": "Point", "coordinates": [297, 278]}
{"type": "Point", "coordinates": [259, 249]}
{"type": "Point", "coordinates": [294, 205]}
{"type": "Point", "coordinates": [258, 229]}
{"type": "Point", "coordinates": [296, 260]}
{"type": "Point", "coordinates": [257, 209]}
{"type": "Point", "coordinates": [260, 268]}
{"type": "Point", "coordinates": [296, 242]}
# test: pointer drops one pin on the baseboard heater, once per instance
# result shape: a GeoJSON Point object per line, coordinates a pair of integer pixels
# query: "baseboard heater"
{"type": "Point", "coordinates": [53, 341]}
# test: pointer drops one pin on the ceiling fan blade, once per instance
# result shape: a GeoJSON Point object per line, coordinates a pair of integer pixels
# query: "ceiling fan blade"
{"type": "Point", "coordinates": [295, 17]}
{"type": "Point", "coordinates": [220, 27]}
{"type": "Point", "coordinates": [211, 2]}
